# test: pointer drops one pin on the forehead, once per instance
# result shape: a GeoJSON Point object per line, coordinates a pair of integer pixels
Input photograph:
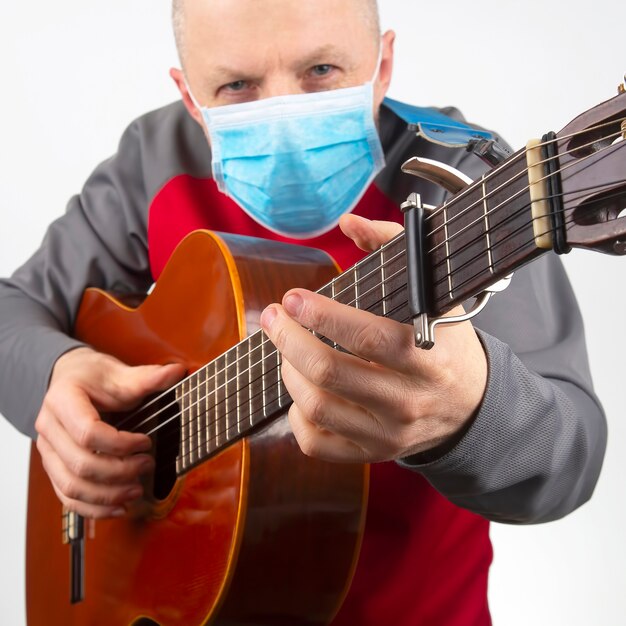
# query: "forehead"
{"type": "Point", "coordinates": [250, 32]}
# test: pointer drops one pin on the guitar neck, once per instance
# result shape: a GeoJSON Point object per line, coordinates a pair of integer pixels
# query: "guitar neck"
{"type": "Point", "coordinates": [473, 240]}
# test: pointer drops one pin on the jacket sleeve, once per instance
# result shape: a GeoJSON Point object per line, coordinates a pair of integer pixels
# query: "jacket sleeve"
{"type": "Point", "coordinates": [100, 242]}
{"type": "Point", "coordinates": [534, 450]}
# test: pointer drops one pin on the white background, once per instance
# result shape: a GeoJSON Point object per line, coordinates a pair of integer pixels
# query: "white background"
{"type": "Point", "coordinates": [74, 73]}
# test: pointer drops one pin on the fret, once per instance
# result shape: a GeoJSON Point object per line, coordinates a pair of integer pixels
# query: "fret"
{"type": "Point", "coordinates": [395, 273]}
{"type": "Point", "coordinates": [480, 235]}
{"type": "Point", "coordinates": [467, 253]}
{"type": "Point", "coordinates": [280, 387]}
{"type": "Point", "coordinates": [201, 412]}
{"type": "Point", "coordinates": [271, 378]}
{"type": "Point", "coordinates": [383, 280]}
{"type": "Point", "coordinates": [193, 419]}
{"type": "Point", "coordinates": [220, 404]}
{"type": "Point", "coordinates": [345, 292]}
{"type": "Point", "coordinates": [182, 396]}
{"type": "Point", "coordinates": [368, 284]}
{"type": "Point", "coordinates": [511, 233]}
{"type": "Point", "coordinates": [255, 360]}
{"type": "Point", "coordinates": [230, 391]}
{"type": "Point", "coordinates": [243, 386]}
{"type": "Point", "coordinates": [333, 295]}
{"type": "Point", "coordinates": [210, 400]}
{"type": "Point", "coordinates": [447, 247]}
{"type": "Point", "coordinates": [486, 226]}
{"type": "Point", "coordinates": [344, 287]}
{"type": "Point", "coordinates": [265, 345]}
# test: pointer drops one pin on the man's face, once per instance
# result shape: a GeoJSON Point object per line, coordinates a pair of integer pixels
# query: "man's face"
{"type": "Point", "coordinates": [243, 50]}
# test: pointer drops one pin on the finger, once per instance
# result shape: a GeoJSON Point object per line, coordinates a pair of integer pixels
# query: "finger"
{"type": "Point", "coordinates": [74, 410]}
{"type": "Point", "coordinates": [71, 487]}
{"type": "Point", "coordinates": [126, 386]}
{"type": "Point", "coordinates": [351, 377]}
{"type": "Point", "coordinates": [90, 511]}
{"type": "Point", "coordinates": [362, 333]}
{"type": "Point", "coordinates": [327, 412]}
{"type": "Point", "coordinates": [321, 444]}
{"type": "Point", "coordinates": [92, 467]}
{"type": "Point", "coordinates": [367, 234]}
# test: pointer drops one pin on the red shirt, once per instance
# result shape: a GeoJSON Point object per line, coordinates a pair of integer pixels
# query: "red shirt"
{"type": "Point", "coordinates": [423, 560]}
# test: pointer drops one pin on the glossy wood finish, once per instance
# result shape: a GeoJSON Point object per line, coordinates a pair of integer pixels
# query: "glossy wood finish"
{"type": "Point", "coordinates": [258, 534]}
{"type": "Point", "coordinates": [593, 163]}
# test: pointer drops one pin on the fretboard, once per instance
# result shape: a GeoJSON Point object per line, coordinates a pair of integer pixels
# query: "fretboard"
{"type": "Point", "coordinates": [473, 240]}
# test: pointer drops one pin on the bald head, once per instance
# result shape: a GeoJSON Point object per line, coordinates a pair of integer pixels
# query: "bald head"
{"type": "Point", "coordinates": [366, 10]}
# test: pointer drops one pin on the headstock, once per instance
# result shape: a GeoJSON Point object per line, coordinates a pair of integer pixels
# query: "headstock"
{"type": "Point", "coordinates": [592, 159]}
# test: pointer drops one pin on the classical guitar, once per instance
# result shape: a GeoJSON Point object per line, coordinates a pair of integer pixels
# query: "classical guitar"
{"type": "Point", "coordinates": [239, 527]}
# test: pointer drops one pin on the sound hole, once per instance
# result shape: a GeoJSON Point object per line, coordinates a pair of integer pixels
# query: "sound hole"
{"type": "Point", "coordinates": [166, 445]}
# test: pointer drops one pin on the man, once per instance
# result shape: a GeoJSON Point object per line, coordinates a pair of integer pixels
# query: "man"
{"type": "Point", "coordinates": [514, 441]}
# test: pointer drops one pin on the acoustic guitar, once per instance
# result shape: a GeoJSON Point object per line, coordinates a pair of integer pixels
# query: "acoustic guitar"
{"type": "Point", "coordinates": [238, 526]}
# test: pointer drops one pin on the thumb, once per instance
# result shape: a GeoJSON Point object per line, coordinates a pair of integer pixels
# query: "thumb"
{"type": "Point", "coordinates": [367, 234]}
{"type": "Point", "coordinates": [151, 378]}
{"type": "Point", "coordinates": [133, 383]}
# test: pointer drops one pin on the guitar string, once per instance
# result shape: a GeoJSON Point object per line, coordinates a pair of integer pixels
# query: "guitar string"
{"type": "Point", "coordinates": [477, 239]}
{"type": "Point", "coordinates": [462, 249]}
{"type": "Point", "coordinates": [521, 154]}
{"type": "Point", "coordinates": [247, 400]}
{"type": "Point", "coordinates": [238, 422]}
{"type": "Point", "coordinates": [206, 442]}
{"type": "Point", "coordinates": [193, 389]}
{"type": "Point", "coordinates": [503, 203]}
{"type": "Point", "coordinates": [200, 433]}
{"type": "Point", "coordinates": [377, 269]}
{"type": "Point", "coordinates": [485, 178]}
{"type": "Point", "coordinates": [265, 341]}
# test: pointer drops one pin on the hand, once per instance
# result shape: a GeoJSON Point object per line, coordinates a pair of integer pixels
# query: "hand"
{"type": "Point", "coordinates": [385, 400]}
{"type": "Point", "coordinates": [94, 468]}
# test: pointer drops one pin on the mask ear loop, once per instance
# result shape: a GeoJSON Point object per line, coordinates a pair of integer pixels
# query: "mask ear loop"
{"type": "Point", "coordinates": [378, 62]}
{"type": "Point", "coordinates": [191, 96]}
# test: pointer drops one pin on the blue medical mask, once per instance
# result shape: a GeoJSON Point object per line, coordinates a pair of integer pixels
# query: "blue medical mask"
{"type": "Point", "coordinates": [296, 163]}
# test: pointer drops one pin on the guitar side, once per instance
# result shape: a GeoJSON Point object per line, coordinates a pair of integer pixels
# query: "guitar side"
{"type": "Point", "coordinates": [259, 533]}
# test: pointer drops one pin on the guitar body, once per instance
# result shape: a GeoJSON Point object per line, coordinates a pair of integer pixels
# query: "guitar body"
{"type": "Point", "coordinates": [258, 533]}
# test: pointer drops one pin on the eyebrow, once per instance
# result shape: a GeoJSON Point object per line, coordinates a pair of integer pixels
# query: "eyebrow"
{"type": "Point", "coordinates": [327, 53]}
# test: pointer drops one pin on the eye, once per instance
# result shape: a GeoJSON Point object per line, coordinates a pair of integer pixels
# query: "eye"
{"type": "Point", "coordinates": [321, 70]}
{"type": "Point", "coordinates": [238, 85]}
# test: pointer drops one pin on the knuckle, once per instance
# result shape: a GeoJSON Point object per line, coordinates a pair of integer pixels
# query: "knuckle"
{"type": "Point", "coordinates": [316, 411]}
{"type": "Point", "coordinates": [108, 498]}
{"type": "Point", "coordinates": [80, 467]}
{"type": "Point", "coordinates": [280, 337]}
{"type": "Point", "coordinates": [87, 435]}
{"type": "Point", "coordinates": [308, 444]}
{"type": "Point", "coordinates": [70, 489]}
{"type": "Point", "coordinates": [314, 316]}
{"type": "Point", "coordinates": [323, 371]}
{"type": "Point", "coordinates": [369, 339]}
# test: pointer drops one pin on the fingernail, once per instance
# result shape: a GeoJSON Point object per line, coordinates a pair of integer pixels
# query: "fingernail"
{"type": "Point", "coordinates": [267, 317]}
{"type": "Point", "coordinates": [146, 467]}
{"type": "Point", "coordinates": [118, 513]}
{"type": "Point", "coordinates": [134, 493]}
{"type": "Point", "coordinates": [293, 304]}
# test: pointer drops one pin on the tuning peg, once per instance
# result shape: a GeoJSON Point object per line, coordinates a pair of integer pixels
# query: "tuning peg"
{"type": "Point", "coordinates": [621, 88]}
